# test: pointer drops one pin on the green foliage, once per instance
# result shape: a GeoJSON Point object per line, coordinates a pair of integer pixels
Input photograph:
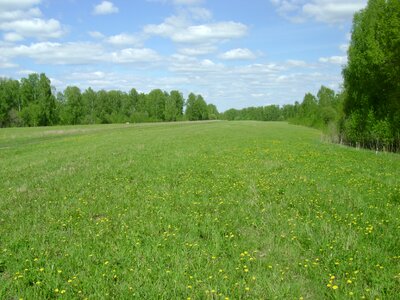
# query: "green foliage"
{"type": "Point", "coordinates": [74, 105]}
{"type": "Point", "coordinates": [196, 108]}
{"type": "Point", "coordinates": [177, 98]}
{"type": "Point", "coordinates": [372, 76]}
{"type": "Point", "coordinates": [212, 112]}
{"type": "Point", "coordinates": [9, 100]}
{"type": "Point", "coordinates": [170, 110]}
{"type": "Point", "coordinates": [32, 102]}
{"type": "Point", "coordinates": [238, 210]}
{"type": "Point", "coordinates": [266, 113]}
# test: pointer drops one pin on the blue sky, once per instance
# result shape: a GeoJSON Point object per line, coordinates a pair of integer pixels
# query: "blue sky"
{"type": "Point", "coordinates": [235, 53]}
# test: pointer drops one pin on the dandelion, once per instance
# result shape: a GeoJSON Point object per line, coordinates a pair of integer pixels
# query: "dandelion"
{"type": "Point", "coordinates": [335, 287]}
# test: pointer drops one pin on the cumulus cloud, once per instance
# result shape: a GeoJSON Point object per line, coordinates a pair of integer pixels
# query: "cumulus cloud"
{"type": "Point", "coordinates": [6, 64]}
{"type": "Point", "coordinates": [6, 5]}
{"type": "Point", "coordinates": [326, 11]}
{"type": "Point", "coordinates": [79, 53]}
{"type": "Point", "coordinates": [134, 55]}
{"type": "Point", "coordinates": [238, 54]}
{"type": "Point", "coordinates": [9, 15]}
{"type": "Point", "coordinates": [178, 30]}
{"type": "Point", "coordinates": [19, 20]}
{"type": "Point", "coordinates": [36, 28]}
{"type": "Point", "coordinates": [56, 53]}
{"type": "Point", "coordinates": [122, 39]}
{"type": "Point", "coordinates": [96, 34]}
{"type": "Point", "coordinates": [187, 2]}
{"type": "Point", "coordinates": [199, 50]}
{"type": "Point", "coordinates": [12, 37]}
{"type": "Point", "coordinates": [179, 2]}
{"type": "Point", "coordinates": [339, 60]}
{"type": "Point", "coordinates": [105, 8]}
{"type": "Point", "coordinates": [296, 63]}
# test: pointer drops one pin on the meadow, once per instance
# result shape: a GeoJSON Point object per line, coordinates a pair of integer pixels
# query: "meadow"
{"type": "Point", "coordinates": [196, 210]}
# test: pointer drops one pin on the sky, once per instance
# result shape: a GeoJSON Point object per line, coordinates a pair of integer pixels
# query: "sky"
{"type": "Point", "coordinates": [234, 53]}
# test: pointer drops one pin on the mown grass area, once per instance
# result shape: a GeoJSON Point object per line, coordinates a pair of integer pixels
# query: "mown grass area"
{"type": "Point", "coordinates": [238, 210]}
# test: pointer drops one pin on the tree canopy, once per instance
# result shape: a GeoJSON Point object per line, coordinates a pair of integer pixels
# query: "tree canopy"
{"type": "Point", "coordinates": [31, 102]}
{"type": "Point", "coordinates": [372, 77]}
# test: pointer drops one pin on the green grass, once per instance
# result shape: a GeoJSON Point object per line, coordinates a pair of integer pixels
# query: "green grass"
{"type": "Point", "coordinates": [244, 210]}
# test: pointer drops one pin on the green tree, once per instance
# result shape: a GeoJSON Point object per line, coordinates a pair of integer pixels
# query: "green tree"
{"type": "Point", "coordinates": [190, 107]}
{"type": "Point", "coordinates": [212, 111]}
{"type": "Point", "coordinates": [171, 110]}
{"type": "Point", "coordinates": [9, 102]}
{"type": "Point", "coordinates": [46, 102]}
{"type": "Point", "coordinates": [372, 75]}
{"type": "Point", "coordinates": [179, 102]}
{"type": "Point", "coordinates": [89, 100]}
{"type": "Point", "coordinates": [74, 105]}
{"type": "Point", "coordinates": [155, 104]}
{"type": "Point", "coordinates": [196, 108]}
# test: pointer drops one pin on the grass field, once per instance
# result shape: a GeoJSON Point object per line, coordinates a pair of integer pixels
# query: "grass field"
{"type": "Point", "coordinates": [218, 210]}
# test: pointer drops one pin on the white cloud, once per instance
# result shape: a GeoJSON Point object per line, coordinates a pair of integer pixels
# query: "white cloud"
{"type": "Point", "coordinates": [134, 55]}
{"type": "Point", "coordinates": [179, 2]}
{"type": "Point", "coordinates": [257, 95]}
{"type": "Point", "coordinates": [37, 28]}
{"type": "Point", "coordinates": [178, 30]}
{"type": "Point", "coordinates": [333, 12]}
{"type": "Point", "coordinates": [192, 65]}
{"type": "Point", "coordinates": [56, 53]}
{"type": "Point", "coordinates": [105, 8]}
{"type": "Point", "coordinates": [199, 13]}
{"type": "Point", "coordinates": [187, 2]}
{"type": "Point", "coordinates": [339, 60]}
{"type": "Point", "coordinates": [207, 32]}
{"type": "Point", "coordinates": [6, 64]}
{"type": "Point", "coordinates": [8, 15]}
{"type": "Point", "coordinates": [79, 53]}
{"type": "Point", "coordinates": [17, 4]}
{"type": "Point", "coordinates": [12, 37]}
{"type": "Point", "coordinates": [96, 34]}
{"type": "Point", "coordinates": [19, 20]}
{"type": "Point", "coordinates": [122, 39]}
{"type": "Point", "coordinates": [26, 72]}
{"type": "Point", "coordinates": [238, 54]}
{"type": "Point", "coordinates": [199, 50]}
{"type": "Point", "coordinates": [296, 63]}
{"type": "Point", "coordinates": [327, 11]}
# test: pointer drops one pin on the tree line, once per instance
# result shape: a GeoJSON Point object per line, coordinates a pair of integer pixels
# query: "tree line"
{"type": "Point", "coordinates": [320, 111]}
{"type": "Point", "coordinates": [33, 102]}
{"type": "Point", "coordinates": [366, 113]}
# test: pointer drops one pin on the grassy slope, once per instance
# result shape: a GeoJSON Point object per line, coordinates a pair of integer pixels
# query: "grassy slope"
{"type": "Point", "coordinates": [213, 210]}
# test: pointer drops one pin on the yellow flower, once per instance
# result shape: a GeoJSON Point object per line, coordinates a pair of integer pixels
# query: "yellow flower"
{"type": "Point", "coordinates": [335, 287]}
